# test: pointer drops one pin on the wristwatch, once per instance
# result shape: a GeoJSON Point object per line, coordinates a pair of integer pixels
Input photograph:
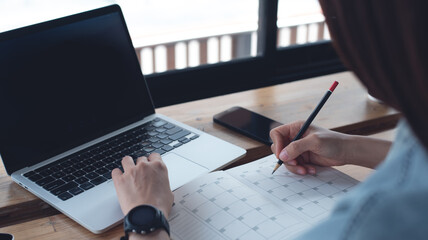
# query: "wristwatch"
{"type": "Point", "coordinates": [144, 219]}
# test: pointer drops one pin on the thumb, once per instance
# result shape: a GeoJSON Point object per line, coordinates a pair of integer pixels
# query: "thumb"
{"type": "Point", "coordinates": [295, 149]}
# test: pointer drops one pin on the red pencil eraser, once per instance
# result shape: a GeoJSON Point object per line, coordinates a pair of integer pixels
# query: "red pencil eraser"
{"type": "Point", "coordinates": [334, 86]}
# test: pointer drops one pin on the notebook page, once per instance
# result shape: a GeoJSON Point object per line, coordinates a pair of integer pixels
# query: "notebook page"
{"type": "Point", "coordinates": [310, 197]}
{"type": "Point", "coordinates": [217, 206]}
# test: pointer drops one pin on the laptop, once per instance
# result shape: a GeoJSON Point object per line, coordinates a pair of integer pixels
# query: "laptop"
{"type": "Point", "coordinates": [73, 102]}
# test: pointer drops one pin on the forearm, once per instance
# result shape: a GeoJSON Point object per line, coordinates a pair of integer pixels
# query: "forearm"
{"type": "Point", "coordinates": [366, 151]}
{"type": "Point", "coordinates": [159, 234]}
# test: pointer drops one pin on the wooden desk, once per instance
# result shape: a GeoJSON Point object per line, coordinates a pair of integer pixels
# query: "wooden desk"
{"type": "Point", "coordinates": [348, 110]}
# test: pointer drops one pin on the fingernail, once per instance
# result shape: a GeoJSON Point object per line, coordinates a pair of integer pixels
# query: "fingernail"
{"type": "Point", "coordinates": [283, 155]}
{"type": "Point", "coordinates": [311, 171]}
{"type": "Point", "coordinates": [300, 171]}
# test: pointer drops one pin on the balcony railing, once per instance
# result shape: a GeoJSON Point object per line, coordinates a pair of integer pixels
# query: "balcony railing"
{"type": "Point", "coordinates": [223, 47]}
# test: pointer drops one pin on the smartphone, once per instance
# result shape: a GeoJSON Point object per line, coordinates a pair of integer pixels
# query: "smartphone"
{"type": "Point", "coordinates": [248, 123]}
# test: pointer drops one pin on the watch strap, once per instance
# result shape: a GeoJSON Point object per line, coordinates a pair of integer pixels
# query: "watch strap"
{"type": "Point", "coordinates": [159, 222]}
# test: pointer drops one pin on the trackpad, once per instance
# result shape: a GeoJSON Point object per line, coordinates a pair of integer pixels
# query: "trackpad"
{"type": "Point", "coordinates": [181, 170]}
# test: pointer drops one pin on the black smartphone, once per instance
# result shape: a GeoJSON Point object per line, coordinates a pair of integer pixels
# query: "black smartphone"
{"type": "Point", "coordinates": [247, 122]}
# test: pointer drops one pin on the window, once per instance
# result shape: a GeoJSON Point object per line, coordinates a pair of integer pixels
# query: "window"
{"type": "Point", "coordinates": [171, 34]}
{"type": "Point", "coordinates": [300, 22]}
{"type": "Point", "coordinates": [194, 49]}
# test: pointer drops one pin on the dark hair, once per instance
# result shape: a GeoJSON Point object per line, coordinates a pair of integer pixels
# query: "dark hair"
{"type": "Point", "coordinates": [385, 43]}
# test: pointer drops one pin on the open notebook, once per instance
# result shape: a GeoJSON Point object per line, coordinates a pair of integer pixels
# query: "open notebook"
{"type": "Point", "coordinates": [248, 202]}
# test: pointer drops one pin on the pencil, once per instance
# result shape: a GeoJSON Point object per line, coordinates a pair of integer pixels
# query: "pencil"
{"type": "Point", "coordinates": [310, 119]}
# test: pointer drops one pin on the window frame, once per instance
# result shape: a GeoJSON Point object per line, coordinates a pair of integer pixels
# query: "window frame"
{"type": "Point", "coordinates": [271, 66]}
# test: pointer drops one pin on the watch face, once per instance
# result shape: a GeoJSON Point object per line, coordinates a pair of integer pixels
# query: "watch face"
{"type": "Point", "coordinates": [142, 215]}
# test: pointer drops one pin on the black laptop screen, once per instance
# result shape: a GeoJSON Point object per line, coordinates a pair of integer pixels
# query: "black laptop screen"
{"type": "Point", "coordinates": [65, 82]}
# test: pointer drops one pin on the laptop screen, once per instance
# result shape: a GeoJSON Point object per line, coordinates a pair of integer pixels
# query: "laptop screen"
{"type": "Point", "coordinates": [65, 82]}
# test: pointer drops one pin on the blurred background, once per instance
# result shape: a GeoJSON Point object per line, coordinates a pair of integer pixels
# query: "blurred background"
{"type": "Point", "coordinates": [171, 34]}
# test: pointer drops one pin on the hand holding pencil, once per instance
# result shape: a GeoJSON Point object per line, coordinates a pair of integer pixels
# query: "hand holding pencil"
{"type": "Point", "coordinates": [306, 124]}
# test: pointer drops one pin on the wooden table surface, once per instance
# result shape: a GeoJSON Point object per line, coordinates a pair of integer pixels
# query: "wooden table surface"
{"type": "Point", "coordinates": [348, 110]}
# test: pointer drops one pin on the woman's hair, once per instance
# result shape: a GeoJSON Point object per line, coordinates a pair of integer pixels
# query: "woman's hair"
{"type": "Point", "coordinates": [385, 43]}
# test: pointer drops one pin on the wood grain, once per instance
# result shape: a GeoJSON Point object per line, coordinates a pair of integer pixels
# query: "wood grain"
{"type": "Point", "coordinates": [348, 110]}
{"type": "Point", "coordinates": [61, 227]}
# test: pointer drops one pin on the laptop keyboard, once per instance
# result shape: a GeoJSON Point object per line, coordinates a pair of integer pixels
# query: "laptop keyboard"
{"type": "Point", "coordinates": [92, 166]}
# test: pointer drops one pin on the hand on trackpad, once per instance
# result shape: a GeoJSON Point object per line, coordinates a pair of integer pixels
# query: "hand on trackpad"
{"type": "Point", "coordinates": [181, 170]}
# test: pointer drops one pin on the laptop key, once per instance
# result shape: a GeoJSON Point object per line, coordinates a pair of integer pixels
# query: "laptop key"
{"type": "Point", "coordinates": [63, 188]}
{"type": "Point", "coordinates": [111, 166]}
{"type": "Point", "coordinates": [89, 169]}
{"type": "Point", "coordinates": [91, 175]}
{"type": "Point", "coordinates": [153, 139]}
{"type": "Point", "coordinates": [45, 181]}
{"type": "Point", "coordinates": [184, 140]}
{"type": "Point", "coordinates": [139, 154]}
{"type": "Point", "coordinates": [160, 151]}
{"type": "Point", "coordinates": [98, 164]}
{"type": "Point", "coordinates": [179, 135]}
{"type": "Point", "coordinates": [127, 152]}
{"type": "Point", "coordinates": [148, 149]}
{"type": "Point", "coordinates": [107, 175]}
{"type": "Point", "coordinates": [57, 174]}
{"type": "Point", "coordinates": [65, 196]}
{"type": "Point", "coordinates": [161, 130]}
{"type": "Point", "coordinates": [53, 185]}
{"type": "Point", "coordinates": [107, 160]}
{"type": "Point", "coordinates": [167, 148]}
{"type": "Point", "coordinates": [177, 145]}
{"type": "Point", "coordinates": [55, 168]}
{"type": "Point", "coordinates": [169, 126]}
{"type": "Point", "coordinates": [75, 191]}
{"type": "Point", "coordinates": [157, 145]}
{"type": "Point", "coordinates": [194, 137]}
{"type": "Point", "coordinates": [159, 123]}
{"type": "Point", "coordinates": [101, 171]}
{"type": "Point", "coordinates": [35, 177]}
{"type": "Point", "coordinates": [82, 180]}
{"type": "Point", "coordinates": [99, 180]}
{"type": "Point", "coordinates": [79, 165]}
{"type": "Point", "coordinates": [28, 174]}
{"type": "Point", "coordinates": [88, 161]}
{"type": "Point", "coordinates": [69, 170]}
{"type": "Point", "coordinates": [86, 185]}
{"type": "Point", "coordinates": [79, 173]}
{"type": "Point", "coordinates": [173, 130]}
{"type": "Point", "coordinates": [46, 173]}
{"type": "Point", "coordinates": [65, 164]}
{"type": "Point", "coordinates": [99, 156]}
{"type": "Point", "coordinates": [166, 141]}
{"type": "Point", "coordinates": [68, 178]}
{"type": "Point", "coordinates": [149, 128]}
{"type": "Point", "coordinates": [162, 136]}
{"type": "Point", "coordinates": [152, 133]}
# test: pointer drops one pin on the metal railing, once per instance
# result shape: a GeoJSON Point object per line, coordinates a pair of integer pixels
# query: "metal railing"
{"type": "Point", "coordinates": [223, 47]}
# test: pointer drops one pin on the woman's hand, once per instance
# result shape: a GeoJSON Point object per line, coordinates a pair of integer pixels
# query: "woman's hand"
{"type": "Point", "coordinates": [323, 147]}
{"type": "Point", "coordinates": [145, 182]}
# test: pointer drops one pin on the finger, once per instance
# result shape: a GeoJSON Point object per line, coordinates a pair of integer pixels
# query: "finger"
{"type": "Point", "coordinates": [299, 169]}
{"type": "Point", "coordinates": [310, 169]}
{"type": "Point", "coordinates": [297, 148]}
{"type": "Point", "coordinates": [127, 163]}
{"type": "Point", "coordinates": [116, 173]}
{"type": "Point", "coordinates": [278, 140]}
{"type": "Point", "coordinates": [291, 163]}
{"type": "Point", "coordinates": [141, 159]}
{"type": "Point", "coordinates": [155, 157]}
